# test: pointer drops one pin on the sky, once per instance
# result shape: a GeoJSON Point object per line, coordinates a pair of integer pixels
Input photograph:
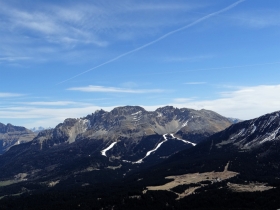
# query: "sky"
{"type": "Point", "coordinates": [67, 59]}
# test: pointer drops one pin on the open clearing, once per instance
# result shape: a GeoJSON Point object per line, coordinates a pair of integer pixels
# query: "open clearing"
{"type": "Point", "coordinates": [8, 182]}
{"type": "Point", "coordinates": [212, 177]}
{"type": "Point", "coordinates": [194, 179]}
{"type": "Point", "coordinates": [252, 187]}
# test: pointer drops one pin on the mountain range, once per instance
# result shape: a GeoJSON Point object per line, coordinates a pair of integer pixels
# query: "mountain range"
{"type": "Point", "coordinates": [131, 158]}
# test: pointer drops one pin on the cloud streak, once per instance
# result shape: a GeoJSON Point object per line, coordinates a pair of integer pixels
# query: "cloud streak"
{"type": "Point", "coordinates": [195, 83]}
{"type": "Point", "coordinates": [258, 19]}
{"type": "Point", "coordinates": [9, 95]}
{"type": "Point", "coordinates": [244, 103]}
{"type": "Point", "coordinates": [158, 39]}
{"type": "Point", "coordinates": [51, 103]}
{"type": "Point", "coordinates": [92, 88]}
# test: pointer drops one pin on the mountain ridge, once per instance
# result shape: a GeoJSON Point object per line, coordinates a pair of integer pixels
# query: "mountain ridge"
{"type": "Point", "coordinates": [124, 136]}
{"type": "Point", "coordinates": [11, 135]}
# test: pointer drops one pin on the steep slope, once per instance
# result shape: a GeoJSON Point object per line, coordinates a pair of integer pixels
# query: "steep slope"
{"type": "Point", "coordinates": [13, 135]}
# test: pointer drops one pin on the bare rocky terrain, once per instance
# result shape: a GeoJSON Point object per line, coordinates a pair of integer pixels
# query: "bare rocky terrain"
{"type": "Point", "coordinates": [134, 123]}
{"type": "Point", "coordinates": [13, 135]}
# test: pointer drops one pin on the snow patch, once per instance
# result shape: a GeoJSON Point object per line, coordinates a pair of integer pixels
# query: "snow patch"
{"type": "Point", "coordinates": [237, 135]}
{"type": "Point", "coordinates": [158, 146]}
{"type": "Point", "coordinates": [136, 113]}
{"type": "Point", "coordinates": [187, 142]}
{"type": "Point", "coordinates": [159, 114]}
{"type": "Point", "coordinates": [254, 129]}
{"type": "Point", "coordinates": [269, 121]}
{"type": "Point", "coordinates": [271, 136]}
{"type": "Point", "coordinates": [103, 152]}
{"type": "Point", "coordinates": [185, 124]}
{"type": "Point", "coordinates": [149, 152]}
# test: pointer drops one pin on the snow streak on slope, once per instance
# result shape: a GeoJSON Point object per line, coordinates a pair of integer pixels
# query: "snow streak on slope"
{"type": "Point", "coordinates": [237, 135]}
{"type": "Point", "coordinates": [253, 128]}
{"type": "Point", "coordinates": [158, 146]}
{"type": "Point", "coordinates": [103, 152]}
{"type": "Point", "coordinates": [136, 113]}
{"type": "Point", "coordinates": [187, 142]}
{"type": "Point", "coordinates": [271, 136]}
{"type": "Point", "coordinates": [185, 124]}
{"type": "Point", "coordinates": [137, 116]}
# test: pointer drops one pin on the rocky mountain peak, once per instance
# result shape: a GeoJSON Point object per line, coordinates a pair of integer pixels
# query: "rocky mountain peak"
{"type": "Point", "coordinates": [10, 128]}
{"type": "Point", "coordinates": [99, 112]}
{"type": "Point", "coordinates": [127, 110]}
{"type": "Point", "coordinates": [167, 110]}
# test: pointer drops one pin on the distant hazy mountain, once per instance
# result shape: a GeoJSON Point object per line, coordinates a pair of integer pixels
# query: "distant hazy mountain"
{"type": "Point", "coordinates": [13, 135]}
{"type": "Point", "coordinates": [39, 129]}
{"type": "Point", "coordinates": [234, 120]}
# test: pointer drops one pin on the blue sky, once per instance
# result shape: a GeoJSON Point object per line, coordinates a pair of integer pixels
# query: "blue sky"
{"type": "Point", "coordinates": [69, 58]}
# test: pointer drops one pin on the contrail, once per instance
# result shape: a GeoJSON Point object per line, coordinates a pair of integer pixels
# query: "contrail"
{"type": "Point", "coordinates": [158, 39]}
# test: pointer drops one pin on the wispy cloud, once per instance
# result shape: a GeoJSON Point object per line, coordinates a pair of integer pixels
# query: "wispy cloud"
{"type": "Point", "coordinates": [195, 83]}
{"type": "Point", "coordinates": [182, 100]}
{"type": "Point", "coordinates": [159, 39]}
{"type": "Point", "coordinates": [12, 59]}
{"type": "Point", "coordinates": [258, 18]}
{"type": "Point", "coordinates": [9, 95]}
{"type": "Point", "coordinates": [81, 25]}
{"type": "Point", "coordinates": [51, 103]}
{"type": "Point", "coordinates": [188, 59]}
{"type": "Point", "coordinates": [92, 88]}
{"type": "Point", "coordinates": [243, 103]}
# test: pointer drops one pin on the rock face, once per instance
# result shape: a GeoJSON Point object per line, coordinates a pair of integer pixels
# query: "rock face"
{"type": "Point", "coordinates": [65, 132]}
{"type": "Point", "coordinates": [13, 135]}
{"type": "Point", "coordinates": [251, 134]}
